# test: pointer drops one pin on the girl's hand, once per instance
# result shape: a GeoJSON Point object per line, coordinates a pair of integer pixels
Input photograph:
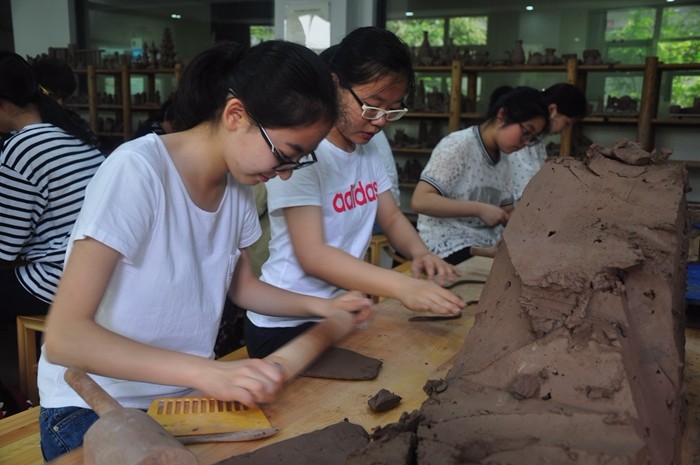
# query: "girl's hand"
{"type": "Point", "coordinates": [421, 295]}
{"type": "Point", "coordinates": [354, 302]}
{"type": "Point", "coordinates": [493, 215]}
{"type": "Point", "coordinates": [249, 381]}
{"type": "Point", "coordinates": [434, 267]}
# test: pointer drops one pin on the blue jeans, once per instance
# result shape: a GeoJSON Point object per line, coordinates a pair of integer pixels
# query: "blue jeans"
{"type": "Point", "coordinates": [62, 429]}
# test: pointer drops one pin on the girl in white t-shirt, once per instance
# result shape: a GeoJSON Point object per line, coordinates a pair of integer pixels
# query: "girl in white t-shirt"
{"type": "Point", "coordinates": [162, 237]}
{"type": "Point", "coordinates": [321, 223]}
{"type": "Point", "coordinates": [463, 196]}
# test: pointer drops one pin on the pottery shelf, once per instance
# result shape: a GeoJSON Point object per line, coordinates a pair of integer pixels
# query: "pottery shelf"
{"type": "Point", "coordinates": [646, 119]}
{"type": "Point", "coordinates": [121, 109]}
{"type": "Point", "coordinates": [463, 84]}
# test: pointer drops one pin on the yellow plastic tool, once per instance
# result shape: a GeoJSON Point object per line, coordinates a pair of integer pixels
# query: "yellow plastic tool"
{"type": "Point", "coordinates": [205, 419]}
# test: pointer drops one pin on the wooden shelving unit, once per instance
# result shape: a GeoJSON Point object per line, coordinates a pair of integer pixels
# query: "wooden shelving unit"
{"type": "Point", "coordinates": [121, 110]}
{"type": "Point", "coordinates": [575, 73]}
{"type": "Point", "coordinates": [646, 119]}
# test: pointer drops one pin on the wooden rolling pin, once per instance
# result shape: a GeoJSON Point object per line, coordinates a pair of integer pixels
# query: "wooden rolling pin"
{"type": "Point", "coordinates": [302, 351]}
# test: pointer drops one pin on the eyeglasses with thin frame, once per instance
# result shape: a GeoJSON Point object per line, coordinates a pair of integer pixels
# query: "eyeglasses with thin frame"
{"type": "Point", "coordinates": [285, 163]}
{"type": "Point", "coordinates": [374, 113]}
{"type": "Point", "coordinates": [528, 137]}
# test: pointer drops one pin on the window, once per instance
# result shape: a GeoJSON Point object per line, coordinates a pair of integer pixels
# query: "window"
{"type": "Point", "coordinates": [260, 34]}
{"type": "Point", "coordinates": [671, 33]}
{"type": "Point", "coordinates": [462, 31]}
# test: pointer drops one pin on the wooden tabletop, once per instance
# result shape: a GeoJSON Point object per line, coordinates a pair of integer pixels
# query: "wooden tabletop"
{"type": "Point", "coordinates": [411, 352]}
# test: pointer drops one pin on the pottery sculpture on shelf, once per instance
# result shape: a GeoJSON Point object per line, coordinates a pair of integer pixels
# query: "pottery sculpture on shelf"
{"type": "Point", "coordinates": [425, 52]}
{"type": "Point", "coordinates": [517, 57]}
{"type": "Point", "coordinates": [535, 58]}
{"type": "Point", "coordinates": [549, 57]}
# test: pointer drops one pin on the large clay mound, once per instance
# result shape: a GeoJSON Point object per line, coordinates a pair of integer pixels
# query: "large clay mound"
{"type": "Point", "coordinates": [577, 355]}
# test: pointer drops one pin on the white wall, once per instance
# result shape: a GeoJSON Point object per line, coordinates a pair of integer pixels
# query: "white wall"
{"type": "Point", "coordinates": [344, 15]}
{"type": "Point", "coordinates": [40, 24]}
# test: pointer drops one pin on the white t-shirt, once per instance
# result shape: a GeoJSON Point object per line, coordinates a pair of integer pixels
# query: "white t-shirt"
{"type": "Point", "coordinates": [461, 168]}
{"type": "Point", "coordinates": [386, 155]}
{"type": "Point", "coordinates": [523, 165]}
{"type": "Point", "coordinates": [169, 287]}
{"type": "Point", "coordinates": [346, 186]}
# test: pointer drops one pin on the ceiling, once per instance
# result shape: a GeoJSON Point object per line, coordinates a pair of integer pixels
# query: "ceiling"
{"type": "Point", "coordinates": [397, 8]}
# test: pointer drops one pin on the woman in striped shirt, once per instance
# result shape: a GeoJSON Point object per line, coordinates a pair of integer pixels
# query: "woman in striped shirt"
{"type": "Point", "coordinates": [44, 168]}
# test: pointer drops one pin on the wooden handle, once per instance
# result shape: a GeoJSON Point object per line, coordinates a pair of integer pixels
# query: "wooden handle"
{"type": "Point", "coordinates": [301, 351]}
{"type": "Point", "coordinates": [489, 252]}
{"type": "Point", "coordinates": [91, 392]}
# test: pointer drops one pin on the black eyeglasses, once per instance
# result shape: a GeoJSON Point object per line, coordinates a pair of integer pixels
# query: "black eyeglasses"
{"type": "Point", "coordinates": [285, 163]}
{"type": "Point", "coordinates": [373, 113]}
{"type": "Point", "coordinates": [528, 137]}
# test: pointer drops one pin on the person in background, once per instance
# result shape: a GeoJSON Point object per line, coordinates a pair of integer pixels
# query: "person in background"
{"type": "Point", "coordinates": [45, 166]}
{"type": "Point", "coordinates": [56, 79]}
{"type": "Point", "coordinates": [567, 104]}
{"type": "Point", "coordinates": [159, 123]}
{"type": "Point", "coordinates": [321, 223]}
{"type": "Point", "coordinates": [150, 265]}
{"type": "Point", "coordinates": [463, 197]}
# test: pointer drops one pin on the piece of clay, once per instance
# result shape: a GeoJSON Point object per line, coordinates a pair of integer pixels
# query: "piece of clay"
{"type": "Point", "coordinates": [383, 400]}
{"type": "Point", "coordinates": [329, 446]}
{"type": "Point", "coordinates": [338, 363]}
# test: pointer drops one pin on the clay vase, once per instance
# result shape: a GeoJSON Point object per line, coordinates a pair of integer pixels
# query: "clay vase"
{"type": "Point", "coordinates": [419, 101]}
{"type": "Point", "coordinates": [550, 58]}
{"type": "Point", "coordinates": [425, 52]}
{"type": "Point", "coordinates": [517, 57]}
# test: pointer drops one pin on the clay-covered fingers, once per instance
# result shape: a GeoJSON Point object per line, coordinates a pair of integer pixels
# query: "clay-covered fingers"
{"type": "Point", "coordinates": [251, 382]}
{"type": "Point", "coordinates": [435, 268]}
{"type": "Point", "coordinates": [356, 303]}
{"type": "Point", "coordinates": [427, 296]}
{"type": "Point", "coordinates": [493, 215]}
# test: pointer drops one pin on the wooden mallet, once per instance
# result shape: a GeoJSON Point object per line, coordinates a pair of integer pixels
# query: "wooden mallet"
{"type": "Point", "coordinates": [124, 436]}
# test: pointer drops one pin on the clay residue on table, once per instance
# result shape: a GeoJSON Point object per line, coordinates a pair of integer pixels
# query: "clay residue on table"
{"type": "Point", "coordinates": [577, 354]}
{"type": "Point", "coordinates": [328, 446]}
{"type": "Point", "coordinates": [339, 363]}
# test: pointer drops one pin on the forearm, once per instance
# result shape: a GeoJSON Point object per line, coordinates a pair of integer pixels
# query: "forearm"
{"type": "Point", "coordinates": [347, 272]}
{"type": "Point", "coordinates": [439, 206]}
{"type": "Point", "coordinates": [85, 344]}
{"type": "Point", "coordinates": [264, 298]}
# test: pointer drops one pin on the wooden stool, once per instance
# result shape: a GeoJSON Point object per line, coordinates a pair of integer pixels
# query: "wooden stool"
{"type": "Point", "coordinates": [378, 243]}
{"type": "Point", "coordinates": [27, 327]}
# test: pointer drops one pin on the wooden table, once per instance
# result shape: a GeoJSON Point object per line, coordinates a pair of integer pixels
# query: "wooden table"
{"type": "Point", "coordinates": [412, 352]}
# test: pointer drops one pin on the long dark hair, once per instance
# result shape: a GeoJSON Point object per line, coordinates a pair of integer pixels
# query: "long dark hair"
{"type": "Point", "coordinates": [19, 86]}
{"type": "Point", "coordinates": [282, 84]}
{"type": "Point", "coordinates": [367, 53]}
{"type": "Point", "coordinates": [520, 104]}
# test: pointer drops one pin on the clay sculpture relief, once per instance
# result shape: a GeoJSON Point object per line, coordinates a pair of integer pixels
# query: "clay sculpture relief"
{"type": "Point", "coordinates": [577, 357]}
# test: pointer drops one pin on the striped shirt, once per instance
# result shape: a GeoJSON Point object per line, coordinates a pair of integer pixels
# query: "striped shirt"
{"type": "Point", "coordinates": [43, 175]}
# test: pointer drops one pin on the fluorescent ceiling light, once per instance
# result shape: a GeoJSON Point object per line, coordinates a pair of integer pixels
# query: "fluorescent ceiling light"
{"type": "Point", "coordinates": [175, 15]}
{"type": "Point", "coordinates": [529, 8]}
{"type": "Point", "coordinates": [409, 13]}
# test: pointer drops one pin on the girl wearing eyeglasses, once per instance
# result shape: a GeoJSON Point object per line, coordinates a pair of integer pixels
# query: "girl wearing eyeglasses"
{"type": "Point", "coordinates": [322, 221]}
{"type": "Point", "coordinates": [567, 104]}
{"type": "Point", "coordinates": [162, 239]}
{"type": "Point", "coordinates": [463, 197]}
